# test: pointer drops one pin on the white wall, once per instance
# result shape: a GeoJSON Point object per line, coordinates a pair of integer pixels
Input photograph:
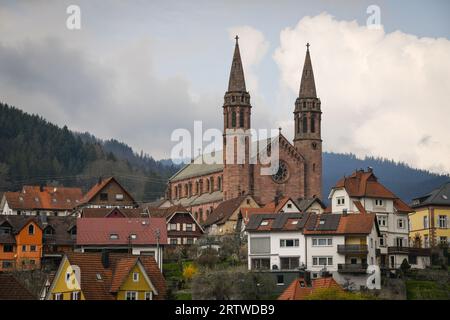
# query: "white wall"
{"type": "Point", "coordinates": [324, 251]}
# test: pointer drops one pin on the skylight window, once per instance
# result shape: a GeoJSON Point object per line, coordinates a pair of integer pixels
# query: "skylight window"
{"type": "Point", "coordinates": [295, 222]}
{"type": "Point", "coordinates": [322, 221]}
{"type": "Point", "coordinates": [114, 236]}
{"type": "Point", "coordinates": [264, 223]}
{"type": "Point", "coordinates": [99, 276]}
{"type": "Point", "coordinates": [133, 236]}
{"type": "Point", "coordinates": [444, 196]}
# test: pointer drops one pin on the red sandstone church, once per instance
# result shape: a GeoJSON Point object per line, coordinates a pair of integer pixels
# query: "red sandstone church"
{"type": "Point", "coordinates": [202, 187]}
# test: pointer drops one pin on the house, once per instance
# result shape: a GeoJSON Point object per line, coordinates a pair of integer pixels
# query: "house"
{"type": "Point", "coordinates": [314, 205]}
{"type": "Point", "coordinates": [276, 243]}
{"type": "Point", "coordinates": [302, 287]}
{"type": "Point", "coordinates": [341, 244]}
{"type": "Point", "coordinates": [107, 276]}
{"type": "Point", "coordinates": [20, 243]}
{"type": "Point", "coordinates": [429, 222]}
{"type": "Point", "coordinates": [40, 200]}
{"type": "Point", "coordinates": [182, 228]}
{"type": "Point", "coordinates": [108, 193]}
{"type": "Point", "coordinates": [35, 241]}
{"type": "Point", "coordinates": [362, 192]}
{"type": "Point", "coordinates": [137, 236]}
{"type": "Point", "coordinates": [12, 289]}
{"type": "Point", "coordinates": [226, 218]}
{"type": "Point", "coordinates": [113, 213]}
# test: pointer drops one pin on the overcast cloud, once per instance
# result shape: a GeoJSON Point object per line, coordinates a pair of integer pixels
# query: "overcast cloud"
{"type": "Point", "coordinates": [383, 93]}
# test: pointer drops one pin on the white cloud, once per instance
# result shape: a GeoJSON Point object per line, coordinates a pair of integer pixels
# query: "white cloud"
{"type": "Point", "coordinates": [383, 94]}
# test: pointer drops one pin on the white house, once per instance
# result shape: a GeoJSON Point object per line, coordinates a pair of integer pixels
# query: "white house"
{"type": "Point", "coordinates": [362, 193]}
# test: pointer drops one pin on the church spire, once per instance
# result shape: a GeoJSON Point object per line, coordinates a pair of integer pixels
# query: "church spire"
{"type": "Point", "coordinates": [237, 80]}
{"type": "Point", "coordinates": [307, 85]}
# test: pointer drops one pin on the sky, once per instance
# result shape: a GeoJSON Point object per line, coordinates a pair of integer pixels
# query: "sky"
{"type": "Point", "coordinates": [137, 70]}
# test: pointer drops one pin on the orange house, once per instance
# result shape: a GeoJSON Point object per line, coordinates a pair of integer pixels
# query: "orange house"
{"type": "Point", "coordinates": [20, 245]}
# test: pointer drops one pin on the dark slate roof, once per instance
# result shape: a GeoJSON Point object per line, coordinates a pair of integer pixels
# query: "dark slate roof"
{"type": "Point", "coordinates": [224, 211]}
{"type": "Point", "coordinates": [277, 222]}
{"type": "Point", "coordinates": [12, 289]}
{"type": "Point", "coordinates": [237, 80]}
{"type": "Point", "coordinates": [304, 204]}
{"type": "Point", "coordinates": [439, 197]}
{"type": "Point", "coordinates": [307, 84]}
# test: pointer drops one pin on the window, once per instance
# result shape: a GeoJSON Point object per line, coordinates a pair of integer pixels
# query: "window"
{"type": "Point", "coordinates": [289, 205]}
{"type": "Point", "coordinates": [119, 197]}
{"type": "Point", "coordinates": [173, 241]}
{"type": "Point", "coordinates": [49, 231]}
{"type": "Point", "coordinates": [319, 242]}
{"type": "Point", "coordinates": [280, 279]}
{"type": "Point", "coordinates": [114, 236]}
{"type": "Point", "coordinates": [75, 295]}
{"type": "Point", "coordinates": [264, 223]}
{"type": "Point", "coordinates": [261, 264]}
{"type": "Point", "coordinates": [313, 123]}
{"type": "Point", "coordinates": [33, 248]}
{"type": "Point", "coordinates": [379, 202]}
{"type": "Point", "coordinates": [382, 241]}
{"type": "Point", "coordinates": [399, 242]}
{"type": "Point", "coordinates": [340, 201]}
{"type": "Point", "coordinates": [443, 240]}
{"type": "Point", "coordinates": [289, 263]}
{"type": "Point", "coordinates": [371, 242]}
{"type": "Point", "coordinates": [189, 227]}
{"type": "Point", "coordinates": [382, 221]}
{"type": "Point", "coordinates": [8, 248]}
{"type": "Point", "coordinates": [426, 241]}
{"type": "Point", "coordinates": [148, 296]}
{"type": "Point", "coordinates": [401, 223]}
{"type": "Point", "coordinates": [6, 264]}
{"type": "Point", "coordinates": [241, 119]}
{"type": "Point", "coordinates": [133, 236]}
{"type": "Point", "coordinates": [322, 261]}
{"type": "Point", "coordinates": [98, 276]}
{"type": "Point", "coordinates": [289, 243]}
{"type": "Point", "coordinates": [135, 276]}
{"type": "Point", "coordinates": [57, 296]}
{"type": "Point", "coordinates": [172, 226]}
{"type": "Point", "coordinates": [103, 196]}
{"type": "Point", "coordinates": [131, 295]}
{"type": "Point", "coordinates": [259, 245]}
{"type": "Point", "coordinates": [24, 248]}
{"type": "Point", "coordinates": [443, 222]}
{"type": "Point", "coordinates": [189, 241]}
{"type": "Point", "coordinates": [233, 119]}
{"type": "Point", "coordinates": [31, 229]}
{"type": "Point", "coordinates": [425, 222]}
{"type": "Point", "coordinates": [305, 124]}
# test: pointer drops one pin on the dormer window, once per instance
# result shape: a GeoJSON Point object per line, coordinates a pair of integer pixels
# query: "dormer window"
{"type": "Point", "coordinates": [114, 236]}
{"type": "Point", "coordinates": [340, 201]}
{"type": "Point", "coordinates": [103, 196]}
{"type": "Point", "coordinates": [294, 222]}
{"type": "Point", "coordinates": [322, 221]}
{"type": "Point", "coordinates": [379, 202]}
{"type": "Point", "coordinates": [264, 223]}
{"type": "Point", "coordinates": [49, 231]}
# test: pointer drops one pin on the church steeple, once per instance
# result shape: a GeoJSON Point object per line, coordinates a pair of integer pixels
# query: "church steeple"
{"type": "Point", "coordinates": [308, 133]}
{"type": "Point", "coordinates": [237, 80]}
{"type": "Point", "coordinates": [307, 84]}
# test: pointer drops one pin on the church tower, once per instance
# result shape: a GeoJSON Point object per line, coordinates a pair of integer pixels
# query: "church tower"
{"type": "Point", "coordinates": [237, 174]}
{"type": "Point", "coordinates": [308, 130]}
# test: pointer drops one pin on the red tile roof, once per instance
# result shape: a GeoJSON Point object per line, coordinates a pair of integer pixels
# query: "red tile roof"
{"type": "Point", "coordinates": [224, 211]}
{"type": "Point", "coordinates": [276, 207]}
{"type": "Point", "coordinates": [112, 277]}
{"type": "Point", "coordinates": [97, 231]}
{"type": "Point", "coordinates": [115, 212]}
{"type": "Point", "coordinates": [364, 184]}
{"type": "Point", "coordinates": [99, 187]}
{"type": "Point", "coordinates": [44, 198]}
{"type": "Point", "coordinates": [298, 290]}
{"type": "Point", "coordinates": [352, 223]}
{"type": "Point", "coordinates": [12, 289]}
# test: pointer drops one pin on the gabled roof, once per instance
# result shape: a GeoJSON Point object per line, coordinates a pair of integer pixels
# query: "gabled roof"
{"type": "Point", "coordinates": [108, 212]}
{"type": "Point", "coordinates": [299, 290]}
{"type": "Point", "coordinates": [305, 204]}
{"type": "Point", "coordinates": [364, 184]}
{"type": "Point", "coordinates": [277, 206]}
{"type": "Point", "coordinates": [112, 277]}
{"type": "Point", "coordinates": [438, 197]}
{"type": "Point", "coordinates": [99, 187]}
{"type": "Point", "coordinates": [170, 212]}
{"type": "Point", "coordinates": [224, 211]}
{"type": "Point", "coordinates": [277, 222]}
{"type": "Point", "coordinates": [13, 289]}
{"type": "Point", "coordinates": [352, 223]}
{"type": "Point", "coordinates": [98, 231]}
{"type": "Point", "coordinates": [44, 198]}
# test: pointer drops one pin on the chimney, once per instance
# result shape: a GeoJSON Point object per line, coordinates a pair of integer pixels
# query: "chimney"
{"type": "Point", "coordinates": [41, 188]}
{"type": "Point", "coordinates": [105, 259]}
{"type": "Point", "coordinates": [308, 278]}
{"type": "Point", "coordinates": [369, 169]}
{"type": "Point", "coordinates": [99, 180]}
{"type": "Point", "coordinates": [344, 212]}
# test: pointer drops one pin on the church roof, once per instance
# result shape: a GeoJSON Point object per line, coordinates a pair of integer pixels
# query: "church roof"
{"type": "Point", "coordinates": [307, 84]}
{"type": "Point", "coordinates": [198, 168]}
{"type": "Point", "coordinates": [215, 196]}
{"type": "Point", "coordinates": [237, 80]}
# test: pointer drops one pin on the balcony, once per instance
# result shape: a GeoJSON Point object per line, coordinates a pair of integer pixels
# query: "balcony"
{"type": "Point", "coordinates": [352, 249]}
{"type": "Point", "coordinates": [411, 251]}
{"type": "Point", "coordinates": [352, 268]}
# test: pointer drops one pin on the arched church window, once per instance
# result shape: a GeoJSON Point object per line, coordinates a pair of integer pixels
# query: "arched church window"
{"type": "Point", "coordinates": [219, 183]}
{"type": "Point", "coordinates": [314, 167]}
{"type": "Point", "coordinates": [305, 124]}
{"type": "Point", "coordinates": [233, 98]}
{"type": "Point", "coordinates": [241, 119]}
{"type": "Point", "coordinates": [201, 186]}
{"type": "Point", "coordinates": [282, 174]}
{"type": "Point", "coordinates": [242, 98]}
{"type": "Point", "coordinates": [211, 184]}
{"type": "Point", "coordinates": [298, 125]}
{"type": "Point", "coordinates": [313, 123]}
{"type": "Point", "coordinates": [207, 185]}
{"type": "Point", "coordinates": [233, 119]}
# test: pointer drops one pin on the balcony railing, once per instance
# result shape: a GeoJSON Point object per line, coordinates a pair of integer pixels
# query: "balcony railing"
{"type": "Point", "coordinates": [352, 268]}
{"type": "Point", "coordinates": [410, 250]}
{"type": "Point", "coordinates": [352, 249]}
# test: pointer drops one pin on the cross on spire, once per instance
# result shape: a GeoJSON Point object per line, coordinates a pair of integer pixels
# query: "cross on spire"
{"type": "Point", "coordinates": [307, 46]}
{"type": "Point", "coordinates": [237, 38]}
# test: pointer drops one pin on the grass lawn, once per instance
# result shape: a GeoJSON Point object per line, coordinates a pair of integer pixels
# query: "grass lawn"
{"type": "Point", "coordinates": [426, 290]}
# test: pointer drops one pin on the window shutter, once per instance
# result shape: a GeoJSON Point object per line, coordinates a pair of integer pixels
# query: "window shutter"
{"type": "Point", "coordinates": [178, 227]}
{"type": "Point", "coordinates": [193, 227]}
{"type": "Point", "coordinates": [184, 226]}
{"type": "Point", "coordinates": [179, 240]}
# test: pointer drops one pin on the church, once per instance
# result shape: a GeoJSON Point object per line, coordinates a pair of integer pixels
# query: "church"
{"type": "Point", "coordinates": [202, 187]}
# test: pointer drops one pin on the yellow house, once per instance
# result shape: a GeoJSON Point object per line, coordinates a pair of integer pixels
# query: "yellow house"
{"type": "Point", "coordinates": [107, 276]}
{"type": "Point", "coordinates": [429, 223]}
